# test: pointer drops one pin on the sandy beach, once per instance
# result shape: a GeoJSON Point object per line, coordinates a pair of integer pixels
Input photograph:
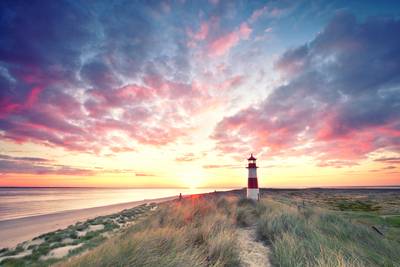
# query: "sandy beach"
{"type": "Point", "coordinates": [15, 231]}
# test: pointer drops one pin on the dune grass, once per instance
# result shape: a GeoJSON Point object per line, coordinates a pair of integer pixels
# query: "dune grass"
{"type": "Point", "coordinates": [201, 232]}
{"type": "Point", "coordinates": [192, 232]}
{"type": "Point", "coordinates": [310, 236]}
{"type": "Point", "coordinates": [85, 234]}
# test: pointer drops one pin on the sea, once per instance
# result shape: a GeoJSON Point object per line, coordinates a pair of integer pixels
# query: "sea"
{"type": "Point", "coordinates": [23, 202]}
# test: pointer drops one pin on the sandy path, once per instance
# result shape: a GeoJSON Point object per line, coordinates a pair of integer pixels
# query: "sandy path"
{"type": "Point", "coordinates": [252, 253]}
{"type": "Point", "coordinates": [15, 231]}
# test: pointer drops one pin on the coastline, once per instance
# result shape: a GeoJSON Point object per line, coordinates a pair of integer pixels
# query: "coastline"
{"type": "Point", "coordinates": [15, 231]}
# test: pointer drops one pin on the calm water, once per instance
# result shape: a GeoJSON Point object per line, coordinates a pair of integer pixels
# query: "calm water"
{"type": "Point", "coordinates": [24, 202]}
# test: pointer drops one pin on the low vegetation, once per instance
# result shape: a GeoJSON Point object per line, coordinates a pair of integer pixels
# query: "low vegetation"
{"type": "Point", "coordinates": [357, 205]}
{"type": "Point", "coordinates": [307, 228]}
{"type": "Point", "coordinates": [301, 236]}
{"type": "Point", "coordinates": [49, 248]}
{"type": "Point", "coordinates": [192, 232]}
{"type": "Point", "coordinates": [202, 231]}
{"type": "Point", "coordinates": [393, 220]}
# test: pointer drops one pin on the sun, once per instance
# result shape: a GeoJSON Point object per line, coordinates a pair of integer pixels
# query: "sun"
{"type": "Point", "coordinates": [193, 179]}
{"type": "Point", "coordinates": [193, 182]}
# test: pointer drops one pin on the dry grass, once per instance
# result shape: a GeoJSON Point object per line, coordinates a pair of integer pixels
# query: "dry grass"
{"type": "Point", "coordinates": [202, 231]}
{"type": "Point", "coordinates": [195, 231]}
{"type": "Point", "coordinates": [318, 237]}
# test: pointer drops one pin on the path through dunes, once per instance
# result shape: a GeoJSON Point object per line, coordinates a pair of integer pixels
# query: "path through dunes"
{"type": "Point", "coordinates": [252, 252]}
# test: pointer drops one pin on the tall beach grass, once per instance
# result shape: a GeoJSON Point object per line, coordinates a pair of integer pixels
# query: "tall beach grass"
{"type": "Point", "coordinates": [192, 232]}
{"type": "Point", "coordinates": [202, 231]}
{"type": "Point", "coordinates": [301, 236]}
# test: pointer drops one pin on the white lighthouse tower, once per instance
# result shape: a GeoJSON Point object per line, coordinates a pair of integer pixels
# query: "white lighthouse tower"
{"type": "Point", "coordinates": [252, 182]}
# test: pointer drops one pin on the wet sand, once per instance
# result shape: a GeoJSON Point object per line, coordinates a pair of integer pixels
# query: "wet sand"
{"type": "Point", "coordinates": [15, 231]}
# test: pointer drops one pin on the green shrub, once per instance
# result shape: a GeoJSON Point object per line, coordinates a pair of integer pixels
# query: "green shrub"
{"type": "Point", "coordinates": [393, 220]}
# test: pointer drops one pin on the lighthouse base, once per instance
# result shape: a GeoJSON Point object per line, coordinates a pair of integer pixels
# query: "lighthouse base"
{"type": "Point", "coordinates": [252, 193]}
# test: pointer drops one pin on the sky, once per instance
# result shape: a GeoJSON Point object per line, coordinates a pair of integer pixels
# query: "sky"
{"type": "Point", "coordinates": [179, 93]}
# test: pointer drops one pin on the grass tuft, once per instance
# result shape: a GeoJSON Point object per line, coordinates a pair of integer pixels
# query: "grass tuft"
{"type": "Point", "coordinates": [317, 237]}
{"type": "Point", "coordinates": [198, 232]}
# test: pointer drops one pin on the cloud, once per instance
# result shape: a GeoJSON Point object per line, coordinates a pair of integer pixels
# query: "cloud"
{"type": "Point", "coordinates": [202, 33]}
{"type": "Point", "coordinates": [270, 11]}
{"type": "Point", "coordinates": [78, 77]}
{"type": "Point", "coordinates": [268, 29]}
{"type": "Point", "coordinates": [98, 75]}
{"type": "Point", "coordinates": [119, 149]}
{"type": "Point", "coordinates": [187, 157]}
{"type": "Point", "coordinates": [43, 166]}
{"type": "Point", "coordinates": [32, 159]}
{"type": "Point", "coordinates": [339, 100]}
{"type": "Point", "coordinates": [16, 165]}
{"type": "Point", "coordinates": [232, 82]}
{"type": "Point", "coordinates": [224, 43]}
{"type": "Point", "coordinates": [258, 13]}
{"type": "Point", "coordinates": [143, 174]}
{"type": "Point", "coordinates": [389, 168]}
{"type": "Point", "coordinates": [61, 37]}
{"type": "Point", "coordinates": [223, 166]}
{"type": "Point", "coordinates": [385, 169]}
{"type": "Point", "coordinates": [337, 163]}
{"type": "Point", "coordinates": [389, 160]}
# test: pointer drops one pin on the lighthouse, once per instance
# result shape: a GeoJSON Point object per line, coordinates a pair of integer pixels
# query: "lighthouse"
{"type": "Point", "coordinates": [252, 183]}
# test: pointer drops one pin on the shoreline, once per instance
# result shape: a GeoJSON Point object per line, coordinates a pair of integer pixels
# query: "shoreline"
{"type": "Point", "coordinates": [15, 231]}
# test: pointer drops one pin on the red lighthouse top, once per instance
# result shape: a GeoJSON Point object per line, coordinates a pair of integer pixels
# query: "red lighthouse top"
{"type": "Point", "coordinates": [252, 162]}
{"type": "Point", "coordinates": [251, 157]}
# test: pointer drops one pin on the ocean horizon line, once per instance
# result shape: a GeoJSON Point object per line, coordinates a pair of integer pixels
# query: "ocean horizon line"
{"type": "Point", "coordinates": [206, 187]}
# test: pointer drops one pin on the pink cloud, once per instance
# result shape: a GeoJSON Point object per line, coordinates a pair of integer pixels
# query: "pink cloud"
{"type": "Point", "coordinates": [223, 44]}
{"type": "Point", "coordinates": [202, 33]}
{"type": "Point", "coordinates": [118, 149]}
{"type": "Point", "coordinates": [142, 174]}
{"type": "Point", "coordinates": [258, 13]}
{"type": "Point", "coordinates": [282, 128]}
{"type": "Point", "coordinates": [271, 12]}
{"type": "Point", "coordinates": [33, 95]}
{"type": "Point", "coordinates": [155, 111]}
{"type": "Point", "coordinates": [57, 119]}
{"type": "Point", "coordinates": [9, 106]}
{"type": "Point", "coordinates": [244, 31]}
{"type": "Point", "coordinates": [231, 82]}
{"type": "Point", "coordinates": [187, 157]}
{"type": "Point", "coordinates": [286, 134]}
